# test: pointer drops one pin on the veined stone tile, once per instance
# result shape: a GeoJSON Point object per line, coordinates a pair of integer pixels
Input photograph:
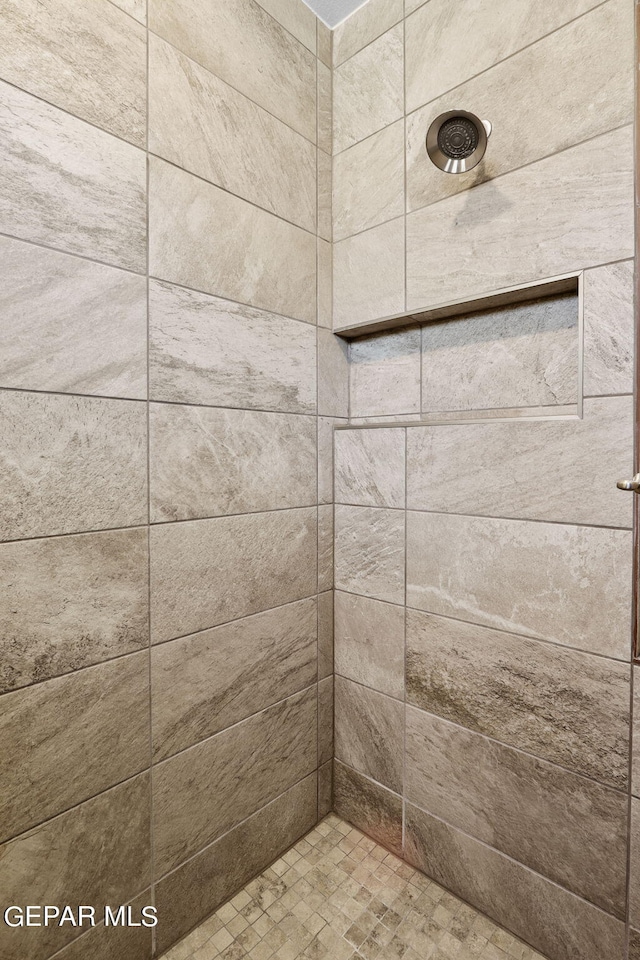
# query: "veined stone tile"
{"type": "Point", "coordinates": [368, 805]}
{"type": "Point", "coordinates": [446, 45]}
{"type": "Point", "coordinates": [370, 467]}
{"type": "Point", "coordinates": [325, 41]}
{"type": "Point", "coordinates": [567, 584]}
{"type": "Point", "coordinates": [369, 733]}
{"type": "Point", "coordinates": [517, 466]}
{"type": "Point", "coordinates": [208, 462]}
{"type": "Point", "coordinates": [325, 284]}
{"type": "Point", "coordinates": [635, 765]}
{"type": "Point", "coordinates": [70, 325]}
{"type": "Point", "coordinates": [256, 562]}
{"type": "Point", "coordinates": [385, 374]}
{"type": "Point", "coordinates": [95, 62]}
{"type": "Point", "coordinates": [69, 185]}
{"type": "Point", "coordinates": [586, 193]}
{"type": "Point", "coordinates": [70, 463]}
{"type": "Point", "coordinates": [325, 180]}
{"type": "Point", "coordinates": [325, 789]}
{"type": "Point", "coordinates": [368, 90]}
{"type": "Point", "coordinates": [325, 634]}
{"type": "Point", "coordinates": [369, 552]}
{"type": "Point", "coordinates": [368, 274]}
{"type": "Point", "coordinates": [67, 739]}
{"type": "Point", "coordinates": [244, 46]}
{"type": "Point", "coordinates": [204, 238]}
{"type": "Point", "coordinates": [363, 26]}
{"type": "Point", "coordinates": [634, 877]}
{"type": "Point", "coordinates": [608, 329]}
{"type": "Point", "coordinates": [558, 704]}
{"type": "Point", "coordinates": [325, 720]}
{"type": "Point", "coordinates": [325, 547]}
{"type": "Point", "coordinates": [135, 8]}
{"type": "Point", "coordinates": [114, 943]}
{"type": "Point", "coordinates": [68, 602]}
{"type": "Point", "coordinates": [296, 17]}
{"type": "Point", "coordinates": [201, 794]}
{"type": "Point", "coordinates": [207, 350]}
{"type": "Point", "coordinates": [325, 107]}
{"type": "Point", "coordinates": [205, 126]}
{"type": "Point", "coordinates": [563, 826]}
{"type": "Point", "coordinates": [369, 643]}
{"type": "Point", "coordinates": [368, 182]}
{"type": "Point", "coordinates": [634, 944]}
{"type": "Point", "coordinates": [325, 458]}
{"type": "Point", "coordinates": [333, 375]}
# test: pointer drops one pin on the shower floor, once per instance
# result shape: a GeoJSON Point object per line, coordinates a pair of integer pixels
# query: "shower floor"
{"type": "Point", "coordinates": [338, 895]}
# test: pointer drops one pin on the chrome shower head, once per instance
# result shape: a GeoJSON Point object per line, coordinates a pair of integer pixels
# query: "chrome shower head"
{"type": "Point", "coordinates": [457, 141]}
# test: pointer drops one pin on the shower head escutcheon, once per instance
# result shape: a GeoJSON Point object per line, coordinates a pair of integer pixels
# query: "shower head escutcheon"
{"type": "Point", "coordinates": [457, 141]}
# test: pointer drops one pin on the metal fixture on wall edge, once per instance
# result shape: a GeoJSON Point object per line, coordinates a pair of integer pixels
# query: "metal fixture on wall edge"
{"type": "Point", "coordinates": [457, 141]}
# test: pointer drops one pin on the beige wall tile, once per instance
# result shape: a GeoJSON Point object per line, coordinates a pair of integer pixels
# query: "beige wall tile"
{"type": "Point", "coordinates": [363, 26]}
{"type": "Point", "coordinates": [333, 375]}
{"type": "Point", "coordinates": [69, 185]}
{"type": "Point", "coordinates": [114, 943]}
{"type": "Point", "coordinates": [71, 464]}
{"type": "Point", "coordinates": [94, 66]}
{"type": "Point", "coordinates": [368, 275]}
{"type": "Point", "coordinates": [256, 561]}
{"type": "Point", "coordinates": [608, 329]}
{"type": "Point", "coordinates": [324, 195]}
{"type": "Point", "coordinates": [325, 634]}
{"type": "Point", "coordinates": [564, 213]}
{"type": "Point", "coordinates": [212, 351]}
{"type": "Point", "coordinates": [325, 720]}
{"type": "Point", "coordinates": [325, 284]}
{"type": "Point", "coordinates": [205, 126]}
{"type": "Point", "coordinates": [567, 584]}
{"type": "Point", "coordinates": [325, 41]}
{"type": "Point", "coordinates": [370, 733]}
{"type": "Point", "coordinates": [385, 374]}
{"type": "Point", "coordinates": [325, 789]}
{"type": "Point", "coordinates": [369, 552]}
{"type": "Point", "coordinates": [296, 17]}
{"type": "Point", "coordinates": [370, 467]}
{"type": "Point", "coordinates": [204, 238]}
{"type": "Point", "coordinates": [325, 458]}
{"type": "Point", "coordinates": [634, 876]}
{"type": "Point", "coordinates": [135, 8]}
{"type": "Point", "coordinates": [368, 806]}
{"type": "Point", "coordinates": [634, 944]}
{"type": "Point", "coordinates": [369, 643]}
{"type": "Point", "coordinates": [325, 547]}
{"type": "Point", "coordinates": [325, 109]}
{"type": "Point", "coordinates": [635, 765]}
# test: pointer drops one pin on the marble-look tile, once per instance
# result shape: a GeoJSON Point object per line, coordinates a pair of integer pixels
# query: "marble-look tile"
{"type": "Point", "coordinates": [207, 350]}
{"type": "Point", "coordinates": [325, 720]}
{"type": "Point", "coordinates": [203, 883]}
{"type": "Point", "coordinates": [368, 90]}
{"type": "Point", "coordinates": [200, 794]}
{"type": "Point", "coordinates": [561, 825]}
{"type": "Point", "coordinates": [370, 733]}
{"type": "Point", "coordinates": [325, 789]}
{"type": "Point", "coordinates": [204, 238]}
{"type": "Point", "coordinates": [135, 8]}
{"type": "Point", "coordinates": [206, 462]}
{"type": "Point", "coordinates": [368, 182]}
{"type": "Point", "coordinates": [363, 26]}
{"type": "Point", "coordinates": [368, 275]}
{"type": "Point", "coordinates": [325, 179]}
{"type": "Point", "coordinates": [114, 943]}
{"type": "Point", "coordinates": [68, 602]}
{"type": "Point", "coordinates": [589, 61]}
{"type": "Point", "coordinates": [369, 643]}
{"type": "Point", "coordinates": [524, 355]}
{"type": "Point", "coordinates": [325, 43]}
{"type": "Point", "coordinates": [325, 457]}
{"type": "Point", "coordinates": [256, 562]}
{"type": "Point", "coordinates": [200, 123]}
{"type": "Point", "coordinates": [325, 109]}
{"type": "Point", "coordinates": [634, 874]}
{"type": "Point", "coordinates": [325, 547]}
{"type": "Point", "coordinates": [370, 467]}
{"type": "Point", "coordinates": [67, 740]}
{"type": "Point", "coordinates": [567, 584]}
{"type": "Point", "coordinates": [561, 705]}
{"type": "Point", "coordinates": [296, 17]}
{"type": "Point", "coordinates": [71, 325]}
{"type": "Point", "coordinates": [325, 634]}
{"type": "Point", "coordinates": [385, 374]}
{"type": "Point", "coordinates": [608, 329]}
{"type": "Point", "coordinates": [464, 41]}
{"type": "Point", "coordinates": [370, 807]}
{"type": "Point", "coordinates": [517, 466]}
{"type": "Point", "coordinates": [561, 926]}
{"type": "Point", "coordinates": [97, 853]}
{"type": "Point", "coordinates": [244, 46]}
{"type": "Point", "coordinates": [333, 375]}
{"type": "Point", "coordinates": [325, 284]}
{"type": "Point", "coordinates": [70, 464]}
{"type": "Point", "coordinates": [370, 551]}
{"type": "Point", "coordinates": [207, 682]}
{"type": "Point", "coordinates": [69, 185]}
{"type": "Point", "coordinates": [94, 65]}
{"type": "Point", "coordinates": [586, 193]}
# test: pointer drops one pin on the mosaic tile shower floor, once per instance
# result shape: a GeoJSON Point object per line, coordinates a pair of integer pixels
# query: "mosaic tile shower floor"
{"type": "Point", "coordinates": [338, 895]}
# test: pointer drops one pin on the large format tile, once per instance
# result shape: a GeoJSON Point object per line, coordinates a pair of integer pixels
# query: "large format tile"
{"type": "Point", "coordinates": [97, 853]}
{"type": "Point", "coordinates": [70, 464]}
{"type": "Point", "coordinates": [370, 807]}
{"type": "Point", "coordinates": [296, 17]}
{"type": "Point", "coordinates": [135, 8]}
{"type": "Point", "coordinates": [558, 704]}
{"type": "Point", "coordinates": [635, 753]}
{"type": "Point", "coordinates": [325, 634]}
{"type": "Point", "coordinates": [68, 185]}
{"type": "Point", "coordinates": [325, 108]}
{"type": "Point", "coordinates": [553, 920]}
{"type": "Point", "coordinates": [585, 193]}
{"type": "Point", "coordinates": [68, 602]}
{"type": "Point", "coordinates": [94, 65]}
{"type": "Point", "coordinates": [200, 123]}
{"type": "Point", "coordinates": [67, 739]}
{"type": "Point", "coordinates": [333, 375]}
{"type": "Point", "coordinates": [369, 643]}
{"type": "Point", "coordinates": [370, 467]}
{"type": "Point", "coordinates": [634, 866]}
{"type": "Point", "coordinates": [201, 794]}
{"type": "Point", "coordinates": [363, 26]}
{"type": "Point", "coordinates": [527, 469]}
{"type": "Point", "coordinates": [567, 584]}
{"type": "Point", "coordinates": [563, 826]}
{"type": "Point", "coordinates": [369, 733]}
{"type": "Point", "coordinates": [212, 351]}
{"type": "Point", "coordinates": [244, 46]}
{"type": "Point", "coordinates": [608, 329]}
{"type": "Point", "coordinates": [325, 789]}
{"type": "Point", "coordinates": [385, 374]}
{"type": "Point", "coordinates": [368, 274]}
{"type": "Point", "coordinates": [208, 462]}
{"type": "Point", "coordinates": [325, 547]}
{"type": "Point", "coordinates": [205, 238]}
{"type": "Point", "coordinates": [370, 552]}
{"type": "Point", "coordinates": [206, 572]}
{"type": "Point", "coordinates": [324, 198]}
{"type": "Point", "coordinates": [325, 720]}
{"type": "Point", "coordinates": [71, 325]}
{"type": "Point", "coordinates": [114, 943]}
{"type": "Point", "coordinates": [204, 683]}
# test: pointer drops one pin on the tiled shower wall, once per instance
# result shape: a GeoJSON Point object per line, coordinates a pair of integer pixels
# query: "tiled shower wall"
{"type": "Point", "coordinates": [166, 556]}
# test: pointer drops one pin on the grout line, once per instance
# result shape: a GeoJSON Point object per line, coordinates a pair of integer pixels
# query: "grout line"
{"type": "Point", "coordinates": [336, 66]}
